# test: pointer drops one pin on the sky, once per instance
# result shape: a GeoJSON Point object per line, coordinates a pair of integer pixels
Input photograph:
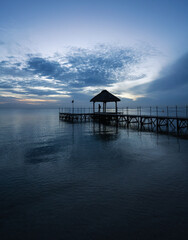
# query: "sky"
{"type": "Point", "coordinates": [52, 52]}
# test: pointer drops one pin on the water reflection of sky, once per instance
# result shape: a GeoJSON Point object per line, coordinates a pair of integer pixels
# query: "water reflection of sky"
{"type": "Point", "coordinates": [100, 180]}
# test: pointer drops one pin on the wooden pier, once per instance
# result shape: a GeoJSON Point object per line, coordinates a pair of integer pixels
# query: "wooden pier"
{"type": "Point", "coordinates": [173, 124]}
{"type": "Point", "coordinates": [159, 119]}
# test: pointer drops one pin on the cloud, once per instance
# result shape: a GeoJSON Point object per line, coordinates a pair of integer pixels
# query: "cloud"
{"type": "Point", "coordinates": [79, 72]}
{"type": "Point", "coordinates": [43, 67]}
{"type": "Point", "coordinates": [83, 67]}
{"type": "Point", "coordinates": [172, 77]}
{"type": "Point", "coordinates": [171, 87]}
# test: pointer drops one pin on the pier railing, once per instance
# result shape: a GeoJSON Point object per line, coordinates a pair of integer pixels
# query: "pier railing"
{"type": "Point", "coordinates": [157, 111]}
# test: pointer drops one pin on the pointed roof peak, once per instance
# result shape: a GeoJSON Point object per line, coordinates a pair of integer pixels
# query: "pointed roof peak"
{"type": "Point", "coordinates": [105, 96]}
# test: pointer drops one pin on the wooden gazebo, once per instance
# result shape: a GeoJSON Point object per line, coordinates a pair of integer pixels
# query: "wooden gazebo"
{"type": "Point", "coordinates": [105, 97]}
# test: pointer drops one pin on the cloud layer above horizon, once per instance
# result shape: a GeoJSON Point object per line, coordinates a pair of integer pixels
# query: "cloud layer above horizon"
{"type": "Point", "coordinates": [79, 73]}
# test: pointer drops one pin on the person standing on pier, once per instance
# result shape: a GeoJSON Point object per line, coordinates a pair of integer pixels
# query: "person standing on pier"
{"type": "Point", "coordinates": [99, 108]}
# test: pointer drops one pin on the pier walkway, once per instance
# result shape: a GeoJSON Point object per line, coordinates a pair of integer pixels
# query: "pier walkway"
{"type": "Point", "coordinates": [173, 120]}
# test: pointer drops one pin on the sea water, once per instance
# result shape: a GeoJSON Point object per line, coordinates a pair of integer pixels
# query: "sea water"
{"type": "Point", "coordinates": [60, 180]}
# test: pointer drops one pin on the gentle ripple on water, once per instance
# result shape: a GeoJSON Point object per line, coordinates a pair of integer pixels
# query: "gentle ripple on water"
{"type": "Point", "coordinates": [89, 181]}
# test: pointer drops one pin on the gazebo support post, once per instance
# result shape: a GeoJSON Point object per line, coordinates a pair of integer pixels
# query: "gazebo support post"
{"type": "Point", "coordinates": [116, 107]}
{"type": "Point", "coordinates": [93, 107]}
{"type": "Point", "coordinates": [104, 107]}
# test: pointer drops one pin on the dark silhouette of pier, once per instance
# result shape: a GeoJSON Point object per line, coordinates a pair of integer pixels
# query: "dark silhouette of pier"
{"type": "Point", "coordinates": [169, 119]}
{"type": "Point", "coordinates": [159, 119]}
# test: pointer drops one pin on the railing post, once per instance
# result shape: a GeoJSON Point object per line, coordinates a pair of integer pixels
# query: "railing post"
{"type": "Point", "coordinates": [72, 106]}
{"type": "Point", "coordinates": [150, 111]}
{"type": "Point", "coordinates": [157, 118]}
{"type": "Point", "coordinates": [140, 111]}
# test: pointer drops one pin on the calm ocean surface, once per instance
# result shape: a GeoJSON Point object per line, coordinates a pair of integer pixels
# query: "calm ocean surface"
{"type": "Point", "coordinates": [88, 181]}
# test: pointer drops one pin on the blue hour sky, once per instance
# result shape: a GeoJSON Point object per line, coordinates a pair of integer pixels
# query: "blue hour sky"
{"type": "Point", "coordinates": [56, 51]}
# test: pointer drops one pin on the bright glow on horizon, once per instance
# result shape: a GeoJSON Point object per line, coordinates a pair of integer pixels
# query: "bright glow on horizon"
{"type": "Point", "coordinates": [36, 100]}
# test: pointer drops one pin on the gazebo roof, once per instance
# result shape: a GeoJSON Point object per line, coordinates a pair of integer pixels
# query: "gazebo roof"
{"type": "Point", "coordinates": [105, 96]}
